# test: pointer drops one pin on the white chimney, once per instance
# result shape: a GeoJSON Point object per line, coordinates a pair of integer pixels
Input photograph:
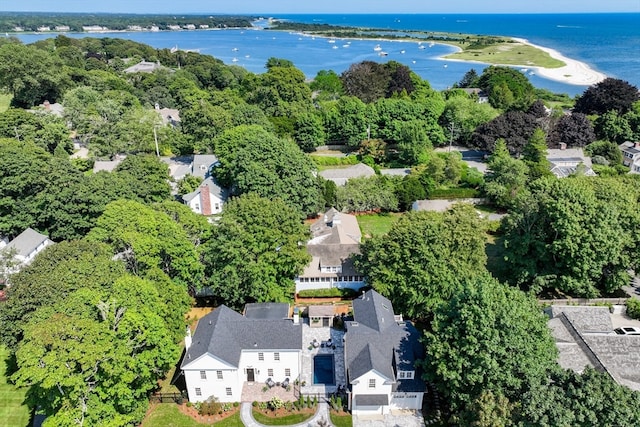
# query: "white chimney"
{"type": "Point", "coordinates": [187, 339]}
{"type": "Point", "coordinates": [296, 316]}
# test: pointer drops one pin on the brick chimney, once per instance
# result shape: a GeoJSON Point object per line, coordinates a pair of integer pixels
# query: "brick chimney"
{"type": "Point", "coordinates": [205, 199]}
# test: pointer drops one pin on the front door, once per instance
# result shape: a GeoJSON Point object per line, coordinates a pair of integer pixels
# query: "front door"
{"type": "Point", "coordinates": [251, 375]}
{"type": "Point", "coordinates": [325, 322]}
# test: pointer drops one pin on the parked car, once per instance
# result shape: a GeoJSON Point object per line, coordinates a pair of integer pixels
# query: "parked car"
{"type": "Point", "coordinates": [627, 330]}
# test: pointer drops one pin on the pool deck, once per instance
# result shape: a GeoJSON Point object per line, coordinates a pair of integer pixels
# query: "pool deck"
{"type": "Point", "coordinates": [308, 352]}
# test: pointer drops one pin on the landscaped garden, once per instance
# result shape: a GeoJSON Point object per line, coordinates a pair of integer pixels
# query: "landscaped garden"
{"type": "Point", "coordinates": [13, 412]}
{"type": "Point", "coordinates": [172, 415]}
{"type": "Point", "coordinates": [276, 412]}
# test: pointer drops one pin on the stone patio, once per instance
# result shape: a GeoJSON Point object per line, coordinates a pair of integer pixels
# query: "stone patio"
{"type": "Point", "coordinates": [308, 352]}
{"type": "Point", "coordinates": [253, 392]}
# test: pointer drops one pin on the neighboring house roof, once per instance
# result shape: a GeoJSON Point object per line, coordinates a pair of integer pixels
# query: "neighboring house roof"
{"type": "Point", "coordinates": [224, 334]}
{"type": "Point", "coordinates": [564, 162]}
{"type": "Point", "coordinates": [202, 164]}
{"type": "Point", "coordinates": [335, 237]}
{"type": "Point", "coordinates": [630, 147]}
{"type": "Point", "coordinates": [179, 167]}
{"type": "Point", "coordinates": [214, 189]}
{"type": "Point", "coordinates": [27, 242]}
{"type": "Point", "coordinates": [144, 67]}
{"type": "Point", "coordinates": [378, 340]}
{"type": "Point", "coordinates": [341, 175]}
{"type": "Point", "coordinates": [584, 337]}
{"type": "Point", "coordinates": [170, 116]}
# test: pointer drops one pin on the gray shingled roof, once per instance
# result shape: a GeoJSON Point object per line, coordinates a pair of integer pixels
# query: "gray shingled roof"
{"type": "Point", "coordinates": [202, 164]}
{"type": "Point", "coordinates": [214, 189]}
{"type": "Point", "coordinates": [375, 340]}
{"type": "Point", "coordinates": [267, 310]}
{"type": "Point", "coordinates": [224, 333]}
{"type": "Point", "coordinates": [341, 175]}
{"type": "Point", "coordinates": [27, 242]}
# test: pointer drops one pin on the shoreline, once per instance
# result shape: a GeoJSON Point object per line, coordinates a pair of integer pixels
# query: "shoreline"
{"type": "Point", "coordinates": [574, 72]}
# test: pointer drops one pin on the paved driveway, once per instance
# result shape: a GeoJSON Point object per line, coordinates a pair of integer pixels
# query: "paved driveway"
{"type": "Point", "coordinates": [405, 420]}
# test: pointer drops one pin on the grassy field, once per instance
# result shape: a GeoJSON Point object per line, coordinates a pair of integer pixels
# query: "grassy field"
{"type": "Point", "coordinates": [342, 420]}
{"type": "Point", "coordinates": [376, 224]}
{"type": "Point", "coordinates": [509, 54]}
{"type": "Point", "coordinates": [5, 100]}
{"type": "Point", "coordinates": [281, 421]}
{"type": "Point", "coordinates": [12, 412]}
{"type": "Point", "coordinates": [168, 415]}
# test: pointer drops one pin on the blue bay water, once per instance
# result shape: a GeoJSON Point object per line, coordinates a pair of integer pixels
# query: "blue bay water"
{"type": "Point", "coordinates": [609, 43]}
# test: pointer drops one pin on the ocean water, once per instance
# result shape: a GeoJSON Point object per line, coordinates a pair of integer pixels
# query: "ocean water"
{"type": "Point", "coordinates": [609, 43]}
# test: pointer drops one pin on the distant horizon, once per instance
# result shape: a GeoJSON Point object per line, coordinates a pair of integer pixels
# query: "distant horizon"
{"type": "Point", "coordinates": [329, 7]}
{"type": "Point", "coordinates": [263, 14]}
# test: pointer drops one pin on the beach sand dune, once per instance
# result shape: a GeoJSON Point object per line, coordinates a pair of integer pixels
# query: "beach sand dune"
{"type": "Point", "coordinates": [575, 72]}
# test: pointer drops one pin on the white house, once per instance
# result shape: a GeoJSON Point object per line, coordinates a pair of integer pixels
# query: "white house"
{"type": "Point", "coordinates": [631, 155]}
{"type": "Point", "coordinates": [380, 350]}
{"type": "Point", "coordinates": [206, 199]}
{"type": "Point", "coordinates": [335, 238]}
{"type": "Point", "coordinates": [26, 246]}
{"type": "Point", "coordinates": [229, 349]}
{"type": "Point", "coordinates": [566, 161]}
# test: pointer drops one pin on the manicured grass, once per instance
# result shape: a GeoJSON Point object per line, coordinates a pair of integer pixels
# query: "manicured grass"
{"type": "Point", "coordinates": [5, 100]}
{"type": "Point", "coordinates": [287, 420]}
{"type": "Point", "coordinates": [509, 54]}
{"type": "Point", "coordinates": [376, 224]}
{"type": "Point", "coordinates": [12, 411]}
{"type": "Point", "coordinates": [168, 415]}
{"type": "Point", "coordinates": [341, 420]}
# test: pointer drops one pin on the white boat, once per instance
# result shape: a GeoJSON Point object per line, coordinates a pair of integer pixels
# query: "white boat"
{"type": "Point", "coordinates": [247, 56]}
{"type": "Point", "coordinates": [382, 53]}
{"type": "Point", "coordinates": [421, 47]}
{"type": "Point", "coordinates": [402, 51]}
{"type": "Point", "coordinates": [334, 47]}
{"type": "Point", "coordinates": [431, 44]}
{"type": "Point", "coordinates": [234, 60]}
{"type": "Point", "coordinates": [235, 49]}
{"type": "Point", "coordinates": [346, 45]}
{"type": "Point", "coordinates": [377, 48]}
{"type": "Point", "coordinates": [332, 41]}
{"type": "Point", "coordinates": [445, 65]}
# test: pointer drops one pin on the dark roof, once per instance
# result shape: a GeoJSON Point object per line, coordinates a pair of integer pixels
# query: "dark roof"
{"type": "Point", "coordinates": [267, 310]}
{"type": "Point", "coordinates": [224, 333]}
{"type": "Point", "coordinates": [213, 187]}
{"type": "Point", "coordinates": [371, 400]}
{"type": "Point", "coordinates": [378, 340]}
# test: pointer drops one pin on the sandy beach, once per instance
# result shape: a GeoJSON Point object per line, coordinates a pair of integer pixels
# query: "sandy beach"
{"type": "Point", "coordinates": [575, 72]}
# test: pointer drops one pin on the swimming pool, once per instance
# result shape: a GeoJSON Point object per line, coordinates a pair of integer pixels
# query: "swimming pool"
{"type": "Point", "coordinates": [323, 369]}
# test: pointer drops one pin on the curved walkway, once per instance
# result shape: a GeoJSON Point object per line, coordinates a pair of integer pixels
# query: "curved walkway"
{"type": "Point", "coordinates": [323, 412]}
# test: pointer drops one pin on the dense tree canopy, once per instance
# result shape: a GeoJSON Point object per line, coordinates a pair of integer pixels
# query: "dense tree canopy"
{"type": "Point", "coordinates": [608, 95]}
{"type": "Point", "coordinates": [488, 337]}
{"type": "Point", "coordinates": [256, 250]}
{"type": "Point", "coordinates": [574, 235]}
{"type": "Point", "coordinates": [254, 160]}
{"type": "Point", "coordinates": [508, 88]}
{"type": "Point", "coordinates": [514, 127]}
{"type": "Point", "coordinates": [575, 130]}
{"type": "Point", "coordinates": [425, 258]}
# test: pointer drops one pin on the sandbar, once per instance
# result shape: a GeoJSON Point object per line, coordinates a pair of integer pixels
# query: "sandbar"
{"type": "Point", "coordinates": [574, 72]}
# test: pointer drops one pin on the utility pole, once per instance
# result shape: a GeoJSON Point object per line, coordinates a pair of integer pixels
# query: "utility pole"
{"type": "Point", "coordinates": [452, 131]}
{"type": "Point", "coordinates": [155, 137]}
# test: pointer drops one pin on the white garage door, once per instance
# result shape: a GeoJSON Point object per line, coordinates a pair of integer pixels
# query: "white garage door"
{"type": "Point", "coordinates": [405, 401]}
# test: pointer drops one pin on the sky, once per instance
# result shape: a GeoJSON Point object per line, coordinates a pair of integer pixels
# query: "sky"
{"type": "Point", "coordinates": [274, 7]}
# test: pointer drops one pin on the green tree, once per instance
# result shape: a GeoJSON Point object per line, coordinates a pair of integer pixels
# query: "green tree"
{"type": "Point", "coordinates": [150, 175]}
{"type": "Point", "coordinates": [347, 121]}
{"type": "Point", "coordinates": [367, 194]}
{"type": "Point", "coordinates": [534, 155]}
{"type": "Point", "coordinates": [467, 114]}
{"type": "Point", "coordinates": [608, 95]}
{"type": "Point", "coordinates": [254, 160]}
{"type": "Point", "coordinates": [425, 257]}
{"type": "Point", "coordinates": [256, 250]}
{"type": "Point", "coordinates": [146, 238]}
{"type": "Point", "coordinates": [327, 85]}
{"type": "Point", "coordinates": [475, 335]}
{"type": "Point", "coordinates": [92, 358]}
{"type": "Point", "coordinates": [413, 143]}
{"type": "Point", "coordinates": [508, 88]}
{"type": "Point", "coordinates": [507, 179]}
{"type": "Point", "coordinates": [309, 131]}
{"type": "Point", "coordinates": [71, 266]}
{"type": "Point", "coordinates": [574, 236]}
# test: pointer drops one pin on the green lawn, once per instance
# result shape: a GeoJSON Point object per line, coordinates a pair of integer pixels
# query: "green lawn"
{"type": "Point", "coordinates": [12, 411]}
{"type": "Point", "coordinates": [5, 100]}
{"type": "Point", "coordinates": [168, 415]}
{"type": "Point", "coordinates": [341, 420]}
{"type": "Point", "coordinates": [510, 54]}
{"type": "Point", "coordinates": [281, 421]}
{"type": "Point", "coordinates": [376, 224]}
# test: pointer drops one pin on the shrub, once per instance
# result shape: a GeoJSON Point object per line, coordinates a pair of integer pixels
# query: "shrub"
{"type": "Point", "coordinates": [189, 404]}
{"type": "Point", "coordinates": [254, 404]}
{"type": "Point", "coordinates": [236, 404]}
{"type": "Point", "coordinates": [275, 403]}
{"type": "Point", "coordinates": [327, 293]}
{"type": "Point", "coordinates": [210, 406]}
{"type": "Point", "coordinates": [334, 161]}
{"type": "Point", "coordinates": [453, 193]}
{"type": "Point", "coordinates": [633, 308]}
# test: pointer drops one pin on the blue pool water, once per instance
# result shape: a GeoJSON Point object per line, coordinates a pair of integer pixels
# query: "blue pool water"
{"type": "Point", "coordinates": [323, 369]}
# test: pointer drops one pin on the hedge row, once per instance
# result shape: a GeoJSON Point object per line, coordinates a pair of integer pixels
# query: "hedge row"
{"type": "Point", "coordinates": [454, 193]}
{"type": "Point", "coordinates": [328, 293]}
{"type": "Point", "coordinates": [334, 161]}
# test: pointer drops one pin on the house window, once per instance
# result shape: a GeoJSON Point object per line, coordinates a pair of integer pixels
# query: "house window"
{"type": "Point", "coordinates": [228, 390]}
{"type": "Point", "coordinates": [401, 374]}
{"type": "Point", "coordinates": [287, 372]}
{"type": "Point", "coordinates": [198, 391]}
{"type": "Point", "coordinates": [203, 375]}
{"type": "Point", "coordinates": [276, 357]}
{"type": "Point", "coordinates": [372, 383]}
{"type": "Point", "coordinates": [409, 374]}
{"type": "Point", "coordinates": [219, 374]}
{"type": "Point", "coordinates": [261, 356]}
{"type": "Point", "coordinates": [270, 372]}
